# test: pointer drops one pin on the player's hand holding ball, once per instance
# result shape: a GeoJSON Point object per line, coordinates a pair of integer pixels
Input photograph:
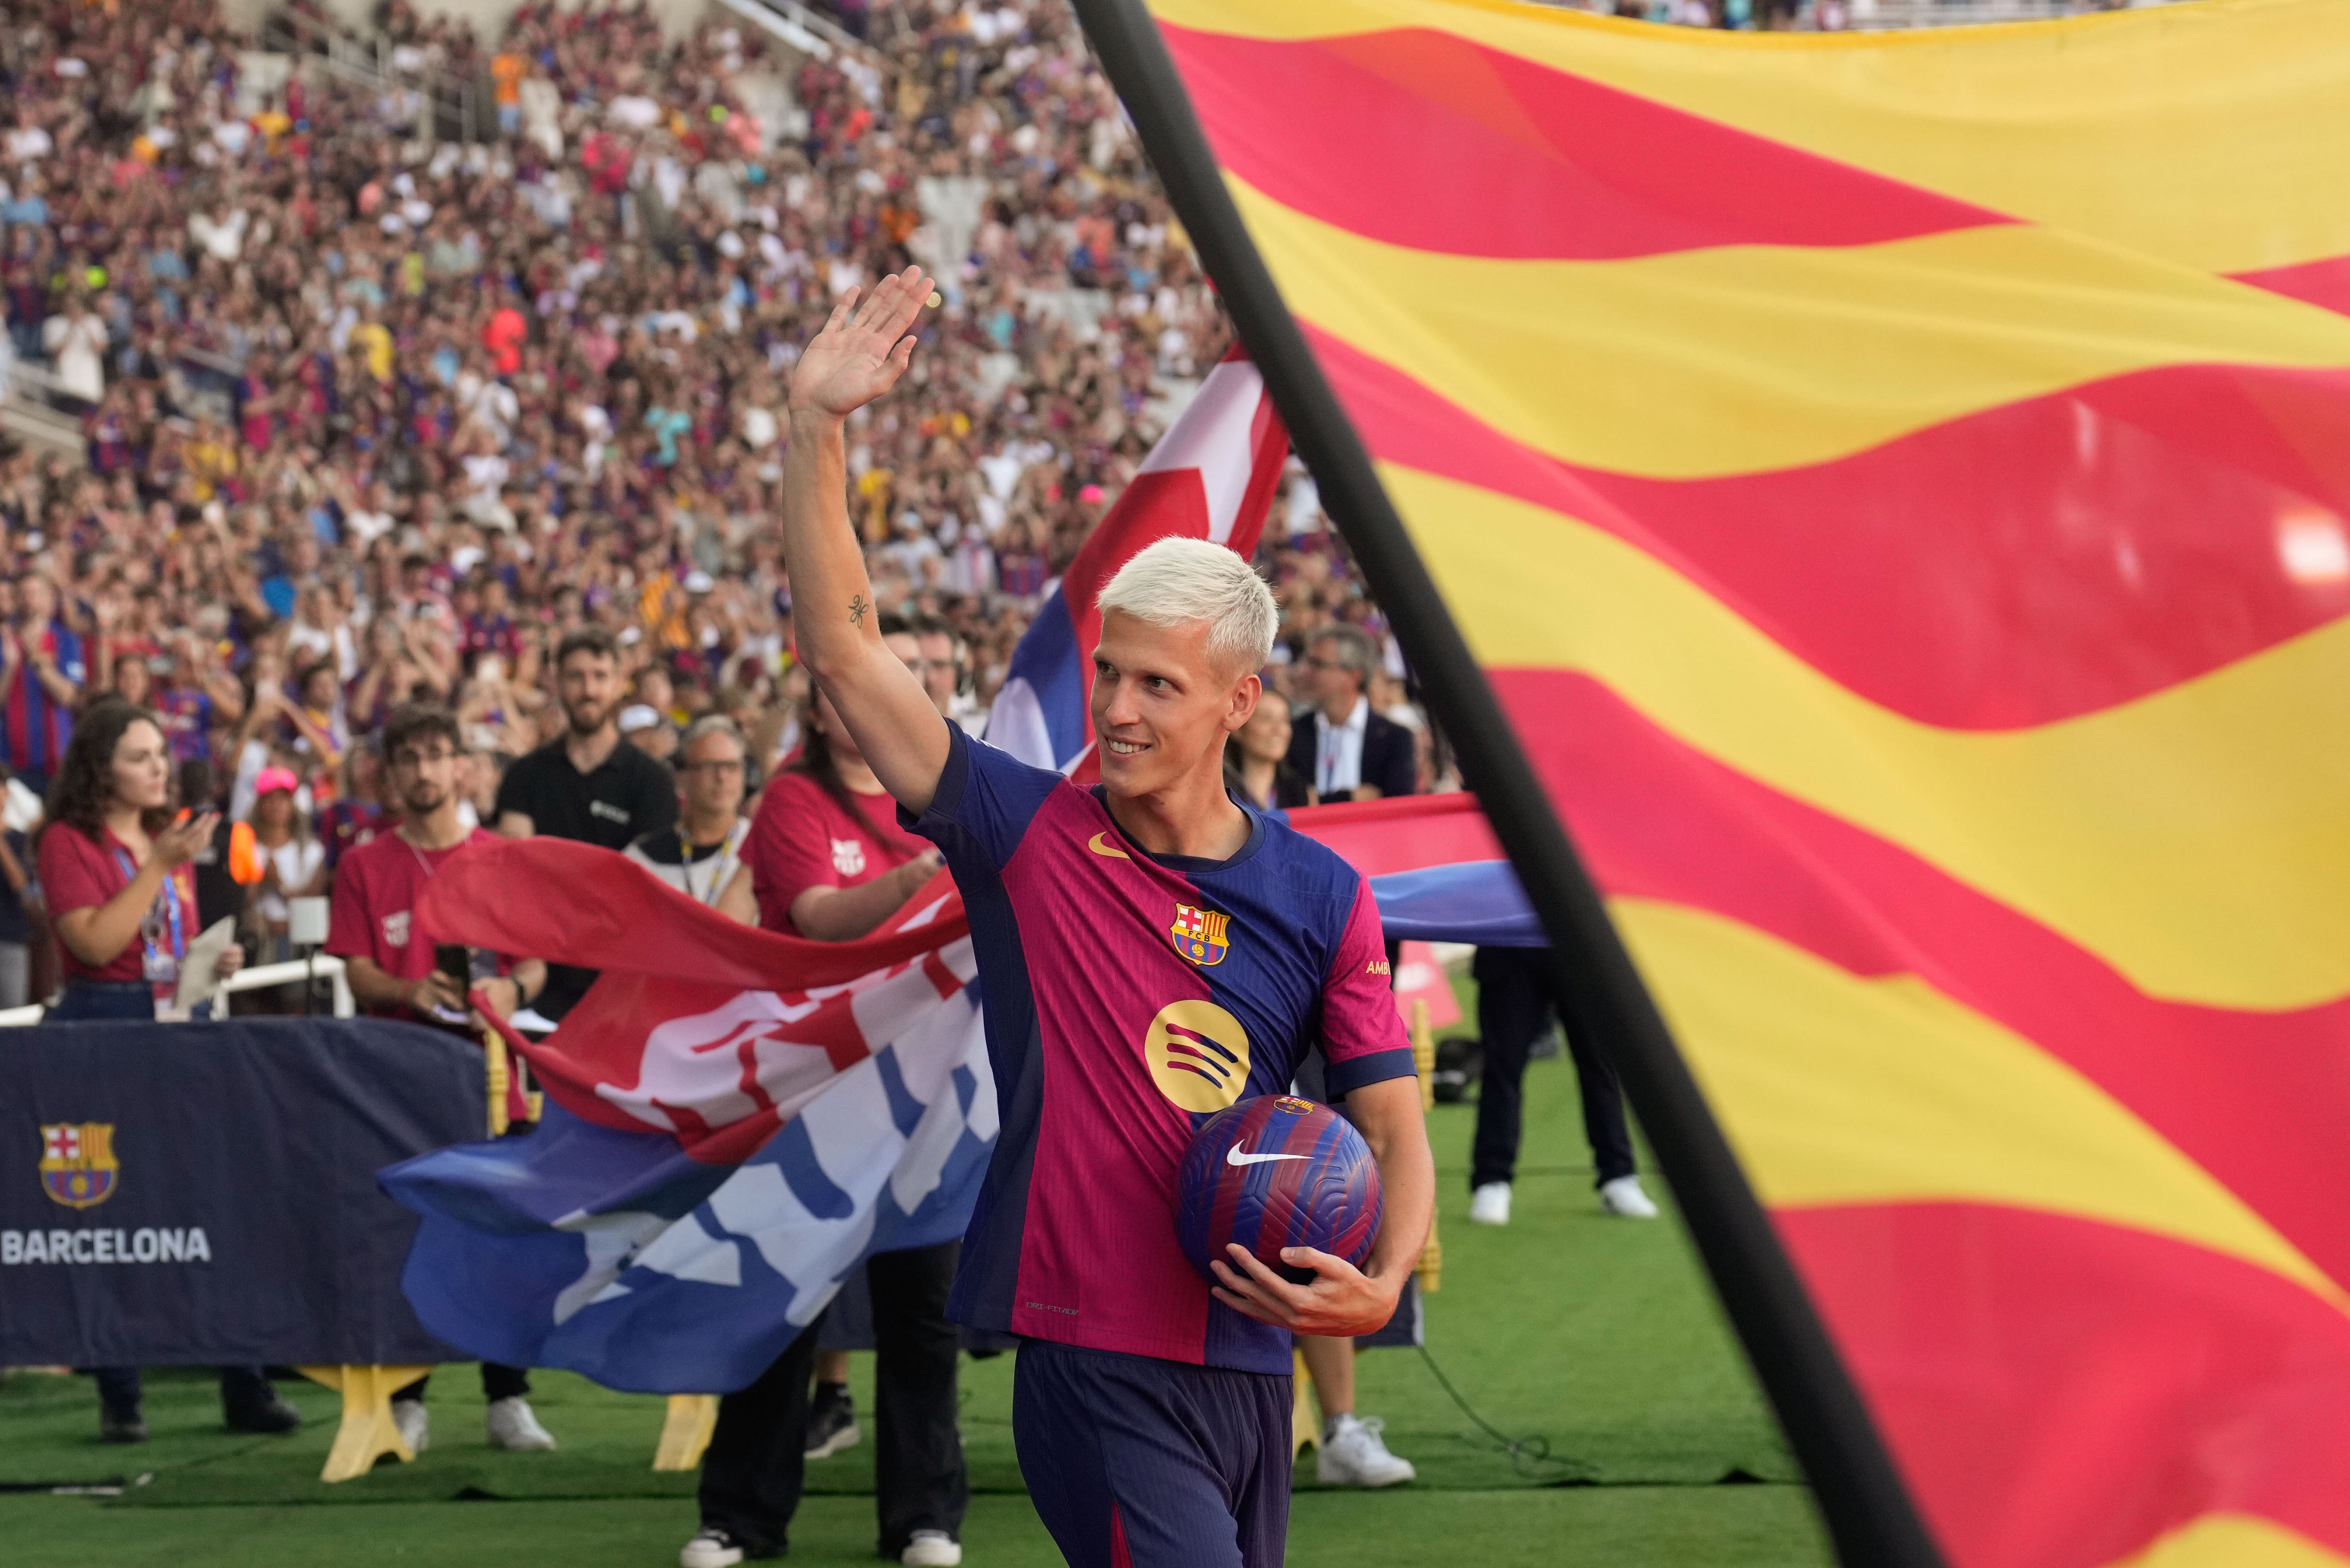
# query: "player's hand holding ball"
{"type": "Point", "coordinates": [1266, 1181]}
{"type": "Point", "coordinates": [1342, 1300]}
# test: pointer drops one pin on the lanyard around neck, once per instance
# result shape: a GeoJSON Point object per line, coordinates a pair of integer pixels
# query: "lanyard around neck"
{"type": "Point", "coordinates": [719, 863]}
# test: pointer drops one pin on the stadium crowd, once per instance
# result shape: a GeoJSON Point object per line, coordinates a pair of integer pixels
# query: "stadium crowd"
{"type": "Point", "coordinates": [373, 414]}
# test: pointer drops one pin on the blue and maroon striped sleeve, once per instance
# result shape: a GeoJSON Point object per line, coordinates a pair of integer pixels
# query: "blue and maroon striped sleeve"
{"type": "Point", "coordinates": [1363, 1037]}
{"type": "Point", "coordinates": [985, 800]}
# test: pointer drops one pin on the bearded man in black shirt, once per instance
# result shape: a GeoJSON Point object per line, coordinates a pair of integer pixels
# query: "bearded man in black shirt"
{"type": "Point", "coordinates": [586, 786]}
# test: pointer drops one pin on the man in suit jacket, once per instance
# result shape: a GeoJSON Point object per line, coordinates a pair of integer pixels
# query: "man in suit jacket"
{"type": "Point", "coordinates": [1347, 752]}
{"type": "Point", "coordinates": [1337, 745]}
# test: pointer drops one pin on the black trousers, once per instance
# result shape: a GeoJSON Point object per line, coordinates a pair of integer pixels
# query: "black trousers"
{"type": "Point", "coordinates": [1515, 1000]}
{"type": "Point", "coordinates": [121, 1389]}
{"type": "Point", "coordinates": [753, 1474]}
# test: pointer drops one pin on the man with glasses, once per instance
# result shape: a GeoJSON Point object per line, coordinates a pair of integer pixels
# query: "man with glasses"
{"type": "Point", "coordinates": [944, 667]}
{"type": "Point", "coordinates": [1338, 745]}
{"type": "Point", "coordinates": [390, 967]}
{"type": "Point", "coordinates": [698, 855]}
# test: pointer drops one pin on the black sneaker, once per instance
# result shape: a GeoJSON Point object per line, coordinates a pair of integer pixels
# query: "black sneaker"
{"type": "Point", "coordinates": [831, 1423]}
{"type": "Point", "coordinates": [267, 1413]}
{"type": "Point", "coordinates": [120, 1425]}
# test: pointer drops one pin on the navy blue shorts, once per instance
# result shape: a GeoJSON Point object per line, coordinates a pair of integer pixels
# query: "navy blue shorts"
{"type": "Point", "coordinates": [1138, 1463]}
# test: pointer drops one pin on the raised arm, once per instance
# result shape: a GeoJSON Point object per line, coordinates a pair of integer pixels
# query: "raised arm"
{"type": "Point", "coordinates": [857, 357]}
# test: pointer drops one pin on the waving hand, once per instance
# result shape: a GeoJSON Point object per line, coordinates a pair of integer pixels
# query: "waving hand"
{"type": "Point", "coordinates": [863, 349]}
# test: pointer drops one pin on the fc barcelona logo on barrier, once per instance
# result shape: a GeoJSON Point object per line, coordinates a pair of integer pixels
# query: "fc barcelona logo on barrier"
{"type": "Point", "coordinates": [1199, 934]}
{"type": "Point", "coordinates": [77, 1164]}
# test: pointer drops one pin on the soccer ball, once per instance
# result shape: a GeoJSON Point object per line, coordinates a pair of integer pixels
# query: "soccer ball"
{"type": "Point", "coordinates": [1278, 1172]}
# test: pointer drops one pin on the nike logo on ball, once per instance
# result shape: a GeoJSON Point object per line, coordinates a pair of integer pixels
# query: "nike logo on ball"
{"type": "Point", "coordinates": [1233, 1156]}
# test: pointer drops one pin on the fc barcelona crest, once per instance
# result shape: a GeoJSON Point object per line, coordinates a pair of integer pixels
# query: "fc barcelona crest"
{"type": "Point", "coordinates": [77, 1164]}
{"type": "Point", "coordinates": [1199, 934]}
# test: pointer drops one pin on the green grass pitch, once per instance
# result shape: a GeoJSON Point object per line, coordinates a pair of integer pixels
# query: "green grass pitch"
{"type": "Point", "coordinates": [1598, 1336]}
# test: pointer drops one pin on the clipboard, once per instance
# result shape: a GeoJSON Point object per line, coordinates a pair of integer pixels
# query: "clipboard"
{"type": "Point", "coordinates": [199, 970]}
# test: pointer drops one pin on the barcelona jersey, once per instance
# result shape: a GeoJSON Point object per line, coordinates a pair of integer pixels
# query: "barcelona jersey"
{"type": "Point", "coordinates": [1129, 997]}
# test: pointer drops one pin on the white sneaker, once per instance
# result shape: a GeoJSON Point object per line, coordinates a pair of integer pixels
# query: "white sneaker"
{"type": "Point", "coordinates": [1490, 1204]}
{"type": "Point", "coordinates": [1624, 1198]}
{"type": "Point", "coordinates": [931, 1549]}
{"type": "Point", "coordinates": [414, 1422]}
{"type": "Point", "coordinates": [711, 1548]}
{"type": "Point", "coordinates": [1352, 1454]}
{"type": "Point", "coordinates": [513, 1429]}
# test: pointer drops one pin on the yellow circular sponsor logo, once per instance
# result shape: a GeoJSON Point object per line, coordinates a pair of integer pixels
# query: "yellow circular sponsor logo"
{"type": "Point", "coordinates": [1199, 1054]}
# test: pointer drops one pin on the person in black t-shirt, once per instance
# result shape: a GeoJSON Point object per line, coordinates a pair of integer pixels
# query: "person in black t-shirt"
{"type": "Point", "coordinates": [587, 786]}
{"type": "Point", "coordinates": [218, 895]}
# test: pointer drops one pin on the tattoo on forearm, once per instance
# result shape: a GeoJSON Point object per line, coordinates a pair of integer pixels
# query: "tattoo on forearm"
{"type": "Point", "coordinates": [856, 608]}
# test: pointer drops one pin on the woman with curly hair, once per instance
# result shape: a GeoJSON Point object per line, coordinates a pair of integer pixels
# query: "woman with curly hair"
{"type": "Point", "coordinates": [114, 866]}
{"type": "Point", "coordinates": [122, 898]}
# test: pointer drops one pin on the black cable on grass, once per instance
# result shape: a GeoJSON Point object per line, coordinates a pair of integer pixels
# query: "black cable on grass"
{"type": "Point", "coordinates": [1529, 1456]}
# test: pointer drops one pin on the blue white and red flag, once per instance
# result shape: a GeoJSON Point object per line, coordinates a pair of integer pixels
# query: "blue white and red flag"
{"type": "Point", "coordinates": [722, 1145]}
{"type": "Point", "coordinates": [1211, 476]}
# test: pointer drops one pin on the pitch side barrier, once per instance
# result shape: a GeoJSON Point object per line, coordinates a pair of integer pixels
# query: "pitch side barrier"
{"type": "Point", "coordinates": [203, 1194]}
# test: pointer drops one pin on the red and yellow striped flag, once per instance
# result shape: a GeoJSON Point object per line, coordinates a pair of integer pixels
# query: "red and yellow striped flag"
{"type": "Point", "coordinates": [1895, 487]}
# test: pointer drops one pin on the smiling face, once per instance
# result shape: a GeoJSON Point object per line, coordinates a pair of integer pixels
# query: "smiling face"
{"type": "Point", "coordinates": [1161, 707]}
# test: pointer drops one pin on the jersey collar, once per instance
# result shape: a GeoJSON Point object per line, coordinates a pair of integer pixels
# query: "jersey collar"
{"type": "Point", "coordinates": [1191, 864]}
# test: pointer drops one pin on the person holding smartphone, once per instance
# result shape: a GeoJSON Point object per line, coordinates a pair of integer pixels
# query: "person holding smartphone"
{"type": "Point", "coordinates": [114, 863]}
{"type": "Point", "coordinates": [396, 972]}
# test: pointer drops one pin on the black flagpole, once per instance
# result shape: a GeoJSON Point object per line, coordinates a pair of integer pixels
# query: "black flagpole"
{"type": "Point", "coordinates": [1869, 1512]}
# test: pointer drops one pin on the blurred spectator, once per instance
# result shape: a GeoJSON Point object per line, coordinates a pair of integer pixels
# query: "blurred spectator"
{"type": "Point", "coordinates": [114, 871]}
{"type": "Point", "coordinates": [699, 855]}
{"type": "Point", "coordinates": [41, 676]}
{"type": "Point", "coordinates": [1518, 996]}
{"type": "Point", "coordinates": [826, 859]}
{"type": "Point", "coordinates": [945, 668]}
{"type": "Point", "coordinates": [1257, 759]}
{"type": "Point", "coordinates": [293, 862]}
{"type": "Point", "coordinates": [75, 339]}
{"type": "Point", "coordinates": [1346, 751]}
{"type": "Point", "coordinates": [359, 810]}
{"type": "Point", "coordinates": [219, 895]}
{"type": "Point", "coordinates": [646, 728]}
{"type": "Point", "coordinates": [16, 925]}
{"type": "Point", "coordinates": [585, 784]}
{"type": "Point", "coordinates": [394, 973]}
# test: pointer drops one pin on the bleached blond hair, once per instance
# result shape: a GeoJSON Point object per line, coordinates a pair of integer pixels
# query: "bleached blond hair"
{"type": "Point", "coordinates": [1175, 582]}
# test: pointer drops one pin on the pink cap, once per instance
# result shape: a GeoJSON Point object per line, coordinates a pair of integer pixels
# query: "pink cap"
{"type": "Point", "coordinates": [276, 778]}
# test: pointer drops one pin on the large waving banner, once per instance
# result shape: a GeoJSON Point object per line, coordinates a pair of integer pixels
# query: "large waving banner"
{"type": "Point", "coordinates": [736, 1120]}
{"type": "Point", "coordinates": [1884, 496]}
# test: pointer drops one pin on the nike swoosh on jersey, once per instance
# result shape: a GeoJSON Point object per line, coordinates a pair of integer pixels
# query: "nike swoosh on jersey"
{"type": "Point", "coordinates": [1098, 847]}
{"type": "Point", "coordinates": [1233, 1156]}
